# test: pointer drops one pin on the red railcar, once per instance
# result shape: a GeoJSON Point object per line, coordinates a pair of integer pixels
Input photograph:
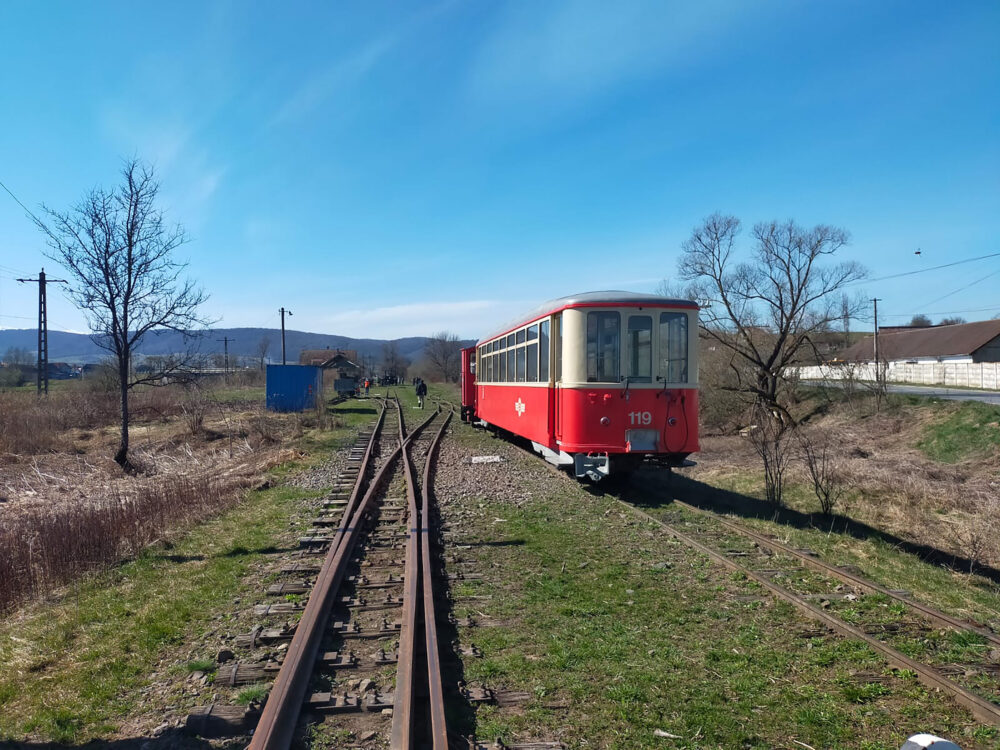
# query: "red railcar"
{"type": "Point", "coordinates": [468, 383]}
{"type": "Point", "coordinates": [601, 381]}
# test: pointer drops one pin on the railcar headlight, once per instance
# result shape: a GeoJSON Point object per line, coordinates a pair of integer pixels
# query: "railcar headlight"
{"type": "Point", "coordinates": [605, 421]}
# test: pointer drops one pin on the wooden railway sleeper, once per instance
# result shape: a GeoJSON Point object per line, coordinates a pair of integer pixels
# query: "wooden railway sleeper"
{"type": "Point", "coordinates": [260, 636]}
{"type": "Point", "coordinates": [354, 630]}
{"type": "Point", "coordinates": [345, 702]}
{"type": "Point", "coordinates": [293, 587]}
{"type": "Point", "coordinates": [300, 569]}
{"type": "Point", "coordinates": [284, 608]}
{"type": "Point", "coordinates": [364, 605]}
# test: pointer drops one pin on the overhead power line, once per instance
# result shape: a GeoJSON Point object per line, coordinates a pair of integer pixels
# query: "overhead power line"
{"type": "Point", "coordinates": [18, 201]}
{"type": "Point", "coordinates": [944, 312]}
{"type": "Point", "coordinates": [960, 289]}
{"type": "Point", "coordinates": [924, 270]}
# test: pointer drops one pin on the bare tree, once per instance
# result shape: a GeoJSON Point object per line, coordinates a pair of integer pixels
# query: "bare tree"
{"type": "Point", "coordinates": [394, 364]}
{"type": "Point", "coordinates": [920, 321]}
{"type": "Point", "coordinates": [263, 347]}
{"type": "Point", "coordinates": [952, 321]}
{"type": "Point", "coordinates": [767, 310]}
{"type": "Point", "coordinates": [770, 437]}
{"type": "Point", "coordinates": [879, 387]}
{"type": "Point", "coordinates": [119, 249]}
{"type": "Point", "coordinates": [816, 454]}
{"type": "Point", "coordinates": [845, 318]}
{"type": "Point", "coordinates": [443, 355]}
{"type": "Point", "coordinates": [17, 356]}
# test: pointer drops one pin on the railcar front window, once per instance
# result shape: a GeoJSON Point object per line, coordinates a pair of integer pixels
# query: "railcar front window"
{"type": "Point", "coordinates": [674, 347]}
{"type": "Point", "coordinates": [543, 351]}
{"type": "Point", "coordinates": [603, 347]}
{"type": "Point", "coordinates": [640, 348]}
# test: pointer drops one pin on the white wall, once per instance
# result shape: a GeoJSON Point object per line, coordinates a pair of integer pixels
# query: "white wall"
{"type": "Point", "coordinates": [967, 374]}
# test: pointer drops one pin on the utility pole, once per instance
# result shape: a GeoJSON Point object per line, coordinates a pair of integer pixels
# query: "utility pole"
{"type": "Point", "coordinates": [875, 302]}
{"type": "Point", "coordinates": [225, 347]}
{"type": "Point", "coordinates": [42, 377]}
{"type": "Point", "coordinates": [283, 312]}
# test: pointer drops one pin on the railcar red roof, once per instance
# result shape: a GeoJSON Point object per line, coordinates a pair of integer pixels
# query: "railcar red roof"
{"type": "Point", "coordinates": [591, 299]}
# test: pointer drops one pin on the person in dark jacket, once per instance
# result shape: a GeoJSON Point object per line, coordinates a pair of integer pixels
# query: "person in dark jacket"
{"type": "Point", "coordinates": [421, 392]}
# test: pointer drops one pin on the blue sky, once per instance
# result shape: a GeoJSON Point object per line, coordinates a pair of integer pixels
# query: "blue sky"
{"type": "Point", "coordinates": [392, 169]}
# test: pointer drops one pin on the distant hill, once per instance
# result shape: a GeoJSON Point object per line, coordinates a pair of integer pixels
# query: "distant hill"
{"type": "Point", "coordinates": [80, 348]}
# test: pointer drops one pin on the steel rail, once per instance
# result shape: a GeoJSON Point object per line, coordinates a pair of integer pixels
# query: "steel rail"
{"type": "Point", "coordinates": [930, 613]}
{"type": "Point", "coordinates": [276, 727]}
{"type": "Point", "coordinates": [402, 707]}
{"type": "Point", "coordinates": [982, 709]}
{"type": "Point", "coordinates": [435, 686]}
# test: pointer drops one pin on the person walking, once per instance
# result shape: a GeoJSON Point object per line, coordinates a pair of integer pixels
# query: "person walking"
{"type": "Point", "coordinates": [367, 385]}
{"type": "Point", "coordinates": [421, 392]}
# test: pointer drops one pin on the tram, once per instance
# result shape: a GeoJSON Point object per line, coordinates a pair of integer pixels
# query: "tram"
{"type": "Point", "coordinates": [601, 382]}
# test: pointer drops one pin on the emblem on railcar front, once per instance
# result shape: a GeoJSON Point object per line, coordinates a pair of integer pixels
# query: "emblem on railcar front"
{"type": "Point", "coordinates": [519, 407]}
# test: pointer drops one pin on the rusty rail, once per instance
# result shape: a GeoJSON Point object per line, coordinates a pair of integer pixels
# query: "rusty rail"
{"type": "Point", "coordinates": [934, 615]}
{"type": "Point", "coordinates": [402, 709]}
{"type": "Point", "coordinates": [982, 709]}
{"type": "Point", "coordinates": [419, 576]}
{"type": "Point", "coordinates": [435, 686]}
{"type": "Point", "coordinates": [276, 727]}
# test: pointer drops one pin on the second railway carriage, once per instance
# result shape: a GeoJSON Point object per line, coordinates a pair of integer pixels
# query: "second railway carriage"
{"type": "Point", "coordinates": [601, 381]}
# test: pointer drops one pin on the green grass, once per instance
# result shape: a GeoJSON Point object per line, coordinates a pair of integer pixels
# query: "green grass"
{"type": "Point", "coordinates": [589, 622]}
{"type": "Point", "coordinates": [201, 665]}
{"type": "Point", "coordinates": [73, 670]}
{"type": "Point", "coordinates": [959, 594]}
{"type": "Point", "coordinates": [234, 394]}
{"type": "Point", "coordinates": [253, 694]}
{"type": "Point", "coordinates": [74, 667]}
{"type": "Point", "coordinates": [970, 430]}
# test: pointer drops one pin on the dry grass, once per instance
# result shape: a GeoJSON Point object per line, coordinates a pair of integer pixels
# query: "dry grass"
{"type": "Point", "coordinates": [67, 509]}
{"type": "Point", "coordinates": [890, 483]}
{"type": "Point", "coordinates": [44, 547]}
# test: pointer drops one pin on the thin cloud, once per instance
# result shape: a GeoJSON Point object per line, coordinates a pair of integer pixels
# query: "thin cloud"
{"type": "Point", "coordinates": [467, 318]}
{"type": "Point", "coordinates": [563, 52]}
{"type": "Point", "coordinates": [342, 74]}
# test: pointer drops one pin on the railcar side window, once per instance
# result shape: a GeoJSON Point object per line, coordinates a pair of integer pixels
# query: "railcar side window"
{"type": "Point", "coordinates": [520, 364]}
{"type": "Point", "coordinates": [640, 348]}
{"type": "Point", "coordinates": [543, 351]}
{"type": "Point", "coordinates": [510, 360]}
{"type": "Point", "coordinates": [532, 354]}
{"type": "Point", "coordinates": [674, 347]}
{"type": "Point", "coordinates": [559, 347]}
{"type": "Point", "coordinates": [502, 375]}
{"type": "Point", "coordinates": [495, 375]}
{"type": "Point", "coordinates": [603, 347]}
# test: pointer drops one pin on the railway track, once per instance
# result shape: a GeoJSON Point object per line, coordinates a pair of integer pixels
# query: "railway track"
{"type": "Point", "coordinates": [362, 655]}
{"type": "Point", "coordinates": [944, 652]}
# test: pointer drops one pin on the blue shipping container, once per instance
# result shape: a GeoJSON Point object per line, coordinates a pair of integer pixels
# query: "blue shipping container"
{"type": "Point", "coordinates": [293, 387]}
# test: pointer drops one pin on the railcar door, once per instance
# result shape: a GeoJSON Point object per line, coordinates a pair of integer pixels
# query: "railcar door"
{"type": "Point", "coordinates": [557, 372]}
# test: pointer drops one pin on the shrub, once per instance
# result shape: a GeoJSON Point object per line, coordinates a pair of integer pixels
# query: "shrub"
{"type": "Point", "coordinates": [44, 547]}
